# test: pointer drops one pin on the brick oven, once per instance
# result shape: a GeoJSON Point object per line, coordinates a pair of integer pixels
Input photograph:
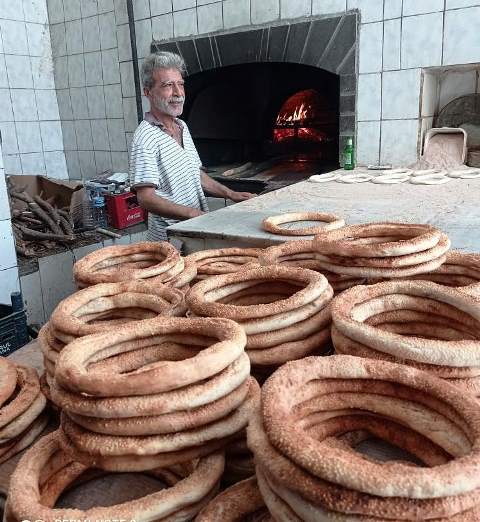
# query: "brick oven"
{"type": "Point", "coordinates": [280, 97]}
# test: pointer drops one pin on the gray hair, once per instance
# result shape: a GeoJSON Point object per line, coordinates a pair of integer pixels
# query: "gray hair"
{"type": "Point", "coordinates": [161, 60]}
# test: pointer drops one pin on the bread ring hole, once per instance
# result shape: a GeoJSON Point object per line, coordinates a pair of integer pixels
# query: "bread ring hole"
{"type": "Point", "coordinates": [260, 292]}
{"type": "Point", "coordinates": [382, 450]}
{"type": "Point", "coordinates": [374, 448]}
{"type": "Point", "coordinates": [382, 401]}
{"type": "Point", "coordinates": [146, 258]}
{"type": "Point", "coordinates": [110, 310]}
{"type": "Point", "coordinates": [425, 331]}
{"type": "Point", "coordinates": [379, 438]}
{"type": "Point", "coordinates": [147, 353]}
{"type": "Point", "coordinates": [109, 489]}
{"type": "Point", "coordinates": [401, 303]}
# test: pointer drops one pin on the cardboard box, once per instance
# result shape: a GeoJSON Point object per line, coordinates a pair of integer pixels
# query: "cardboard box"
{"type": "Point", "coordinates": [60, 193]}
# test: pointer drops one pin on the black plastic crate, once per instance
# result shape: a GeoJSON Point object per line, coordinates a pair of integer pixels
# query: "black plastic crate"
{"type": "Point", "coordinates": [13, 330]}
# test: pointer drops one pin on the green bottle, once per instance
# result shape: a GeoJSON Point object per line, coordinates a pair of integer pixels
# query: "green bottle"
{"type": "Point", "coordinates": [348, 155]}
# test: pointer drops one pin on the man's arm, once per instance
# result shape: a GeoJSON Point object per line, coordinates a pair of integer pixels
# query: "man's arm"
{"type": "Point", "coordinates": [148, 200]}
{"type": "Point", "coordinates": [217, 189]}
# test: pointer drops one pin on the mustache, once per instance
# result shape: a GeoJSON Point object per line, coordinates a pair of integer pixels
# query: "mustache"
{"type": "Point", "coordinates": [176, 99]}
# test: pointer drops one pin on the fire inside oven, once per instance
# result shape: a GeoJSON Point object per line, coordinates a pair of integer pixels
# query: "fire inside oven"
{"type": "Point", "coordinates": [301, 119]}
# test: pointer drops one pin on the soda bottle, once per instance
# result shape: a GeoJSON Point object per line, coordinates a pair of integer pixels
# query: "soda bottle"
{"type": "Point", "coordinates": [348, 155]}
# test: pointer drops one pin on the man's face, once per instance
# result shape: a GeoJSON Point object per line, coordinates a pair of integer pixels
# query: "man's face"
{"type": "Point", "coordinates": [167, 94]}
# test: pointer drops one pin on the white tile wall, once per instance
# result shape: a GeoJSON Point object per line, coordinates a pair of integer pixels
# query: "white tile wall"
{"type": "Point", "coordinates": [33, 163]}
{"type": "Point", "coordinates": [401, 94]}
{"type": "Point", "coordinates": [464, 49]}
{"type": "Point", "coordinates": [159, 7]}
{"type": "Point", "coordinates": [27, 85]}
{"type": "Point", "coordinates": [370, 10]}
{"type": "Point", "coordinates": [236, 13]}
{"type": "Point", "coordinates": [6, 112]}
{"type": "Point", "coordinates": [369, 99]}
{"type": "Point", "coordinates": [420, 47]}
{"type": "Point", "coordinates": [32, 298]}
{"type": "Point", "coordinates": [368, 142]}
{"type": "Point", "coordinates": [10, 283]}
{"type": "Point", "coordinates": [184, 24]}
{"type": "Point", "coordinates": [414, 7]}
{"type": "Point", "coordinates": [371, 43]}
{"type": "Point", "coordinates": [8, 258]}
{"type": "Point", "coordinates": [28, 136]}
{"type": "Point", "coordinates": [52, 137]}
{"type": "Point", "coordinates": [56, 165]}
{"type": "Point", "coordinates": [178, 5]}
{"type": "Point", "coordinates": [391, 44]}
{"type": "Point", "coordinates": [210, 18]}
{"type": "Point", "coordinates": [162, 28]}
{"type": "Point", "coordinates": [399, 142]}
{"type": "Point", "coordinates": [264, 11]}
{"type": "Point", "coordinates": [289, 9]}
{"type": "Point", "coordinates": [392, 9]}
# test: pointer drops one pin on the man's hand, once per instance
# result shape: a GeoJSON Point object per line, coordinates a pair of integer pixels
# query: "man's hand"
{"type": "Point", "coordinates": [195, 212]}
{"type": "Point", "coordinates": [240, 196]}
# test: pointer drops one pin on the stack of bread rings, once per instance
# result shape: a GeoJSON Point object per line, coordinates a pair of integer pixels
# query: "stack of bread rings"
{"type": "Point", "coordinates": [302, 254]}
{"type": "Point", "coordinates": [283, 310]}
{"type": "Point", "coordinates": [22, 408]}
{"type": "Point", "coordinates": [238, 503]}
{"type": "Point", "coordinates": [461, 270]}
{"type": "Point", "coordinates": [46, 471]}
{"type": "Point", "coordinates": [153, 394]}
{"type": "Point", "coordinates": [382, 250]}
{"type": "Point", "coordinates": [104, 307]}
{"type": "Point", "coordinates": [418, 323]}
{"type": "Point", "coordinates": [219, 261]}
{"type": "Point", "coordinates": [308, 468]}
{"type": "Point", "coordinates": [158, 262]}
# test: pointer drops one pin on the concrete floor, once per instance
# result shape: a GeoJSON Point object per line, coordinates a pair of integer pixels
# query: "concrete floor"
{"type": "Point", "coordinates": [452, 207]}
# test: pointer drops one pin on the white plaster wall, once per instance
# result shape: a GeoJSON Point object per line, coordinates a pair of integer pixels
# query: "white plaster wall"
{"type": "Point", "coordinates": [29, 118]}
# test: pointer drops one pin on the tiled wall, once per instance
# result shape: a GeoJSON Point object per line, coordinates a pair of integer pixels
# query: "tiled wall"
{"type": "Point", "coordinates": [29, 119]}
{"type": "Point", "coordinates": [90, 39]}
{"type": "Point", "coordinates": [8, 258]}
{"type": "Point", "coordinates": [397, 40]}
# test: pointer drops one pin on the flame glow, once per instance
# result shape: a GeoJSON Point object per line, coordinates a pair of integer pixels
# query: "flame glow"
{"type": "Point", "coordinates": [299, 114]}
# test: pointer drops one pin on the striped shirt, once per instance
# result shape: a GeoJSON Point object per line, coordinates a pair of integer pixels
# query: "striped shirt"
{"type": "Point", "coordinates": [157, 160]}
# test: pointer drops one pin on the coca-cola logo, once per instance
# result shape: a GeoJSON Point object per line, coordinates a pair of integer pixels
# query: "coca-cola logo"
{"type": "Point", "coordinates": [134, 216]}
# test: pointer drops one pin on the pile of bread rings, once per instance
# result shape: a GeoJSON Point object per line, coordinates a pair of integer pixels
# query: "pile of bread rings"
{"type": "Point", "coordinates": [155, 262]}
{"type": "Point", "coordinates": [382, 250]}
{"type": "Point", "coordinates": [102, 307]}
{"type": "Point", "coordinates": [172, 392]}
{"type": "Point", "coordinates": [313, 414]}
{"type": "Point", "coordinates": [461, 270]}
{"type": "Point", "coordinates": [283, 310]}
{"type": "Point", "coordinates": [46, 471]}
{"type": "Point", "coordinates": [418, 323]}
{"type": "Point", "coordinates": [22, 408]}
{"type": "Point", "coordinates": [143, 389]}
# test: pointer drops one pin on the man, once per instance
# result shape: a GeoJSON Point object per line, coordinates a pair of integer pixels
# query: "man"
{"type": "Point", "coordinates": [165, 169]}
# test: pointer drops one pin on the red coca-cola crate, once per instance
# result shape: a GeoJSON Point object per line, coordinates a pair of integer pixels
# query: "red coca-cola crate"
{"type": "Point", "coordinates": [123, 210]}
